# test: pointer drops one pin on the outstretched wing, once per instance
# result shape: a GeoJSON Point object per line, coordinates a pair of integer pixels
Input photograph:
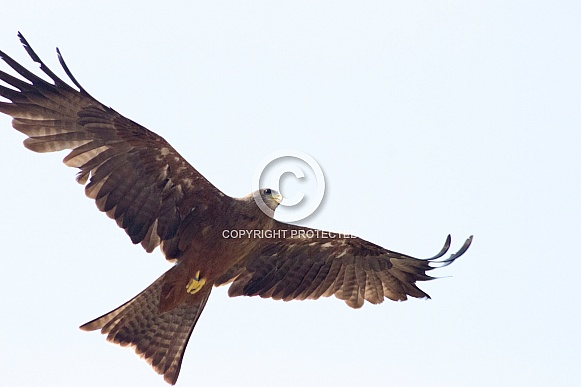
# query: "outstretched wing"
{"type": "Point", "coordinates": [302, 263]}
{"type": "Point", "coordinates": [133, 174]}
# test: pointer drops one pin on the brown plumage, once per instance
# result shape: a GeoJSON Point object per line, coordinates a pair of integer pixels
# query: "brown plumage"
{"type": "Point", "coordinates": [159, 199]}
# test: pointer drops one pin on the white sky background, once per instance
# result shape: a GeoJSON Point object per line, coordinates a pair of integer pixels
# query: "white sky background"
{"type": "Point", "coordinates": [428, 118]}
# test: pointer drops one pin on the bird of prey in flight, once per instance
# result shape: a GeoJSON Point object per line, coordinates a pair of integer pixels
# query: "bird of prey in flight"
{"type": "Point", "coordinates": [159, 199]}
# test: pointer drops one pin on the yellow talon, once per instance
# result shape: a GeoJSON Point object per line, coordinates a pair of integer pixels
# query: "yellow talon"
{"type": "Point", "coordinates": [195, 284]}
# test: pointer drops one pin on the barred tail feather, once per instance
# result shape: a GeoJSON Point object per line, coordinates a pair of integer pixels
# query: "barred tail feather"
{"type": "Point", "coordinates": [159, 338]}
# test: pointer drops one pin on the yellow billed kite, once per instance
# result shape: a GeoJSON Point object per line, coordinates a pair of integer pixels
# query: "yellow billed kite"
{"type": "Point", "coordinates": [159, 199]}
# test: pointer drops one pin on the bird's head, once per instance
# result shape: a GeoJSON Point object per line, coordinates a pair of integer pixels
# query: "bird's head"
{"type": "Point", "coordinates": [270, 197]}
{"type": "Point", "coordinates": [267, 199]}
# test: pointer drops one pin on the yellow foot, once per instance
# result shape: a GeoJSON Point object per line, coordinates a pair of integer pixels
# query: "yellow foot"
{"type": "Point", "coordinates": [195, 284]}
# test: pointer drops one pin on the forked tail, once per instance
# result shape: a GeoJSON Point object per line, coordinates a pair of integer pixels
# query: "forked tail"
{"type": "Point", "coordinates": [159, 338]}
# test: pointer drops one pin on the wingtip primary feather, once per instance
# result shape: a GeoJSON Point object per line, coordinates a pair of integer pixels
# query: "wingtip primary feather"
{"type": "Point", "coordinates": [29, 49]}
{"type": "Point", "coordinates": [21, 37]}
{"type": "Point", "coordinates": [44, 68]}
{"type": "Point", "coordinates": [58, 82]}
{"type": "Point", "coordinates": [444, 249]}
{"type": "Point", "coordinates": [453, 256]}
{"type": "Point", "coordinates": [69, 73]}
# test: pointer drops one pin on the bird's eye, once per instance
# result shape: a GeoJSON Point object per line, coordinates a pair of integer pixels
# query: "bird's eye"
{"type": "Point", "coordinates": [267, 191]}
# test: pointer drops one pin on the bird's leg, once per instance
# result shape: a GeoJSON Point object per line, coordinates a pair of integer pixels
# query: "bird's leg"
{"type": "Point", "coordinates": [195, 284]}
